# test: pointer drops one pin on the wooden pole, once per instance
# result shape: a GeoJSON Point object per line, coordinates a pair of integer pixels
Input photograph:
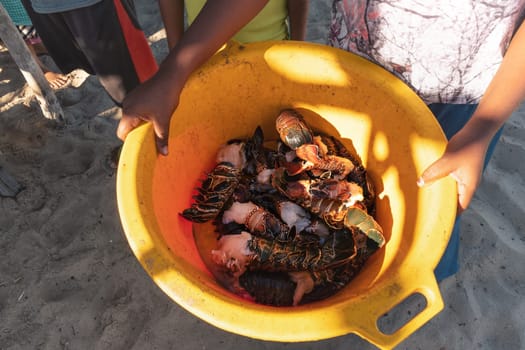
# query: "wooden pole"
{"type": "Point", "coordinates": [32, 73]}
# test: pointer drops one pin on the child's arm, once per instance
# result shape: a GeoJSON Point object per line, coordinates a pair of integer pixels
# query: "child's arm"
{"type": "Point", "coordinates": [465, 153]}
{"type": "Point", "coordinates": [172, 12]}
{"type": "Point", "coordinates": [297, 14]}
{"type": "Point", "coordinates": [156, 99]}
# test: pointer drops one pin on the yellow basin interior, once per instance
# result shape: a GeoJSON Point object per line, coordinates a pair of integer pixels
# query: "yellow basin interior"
{"type": "Point", "coordinates": [376, 115]}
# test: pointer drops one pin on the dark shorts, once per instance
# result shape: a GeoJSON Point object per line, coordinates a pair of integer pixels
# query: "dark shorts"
{"type": "Point", "coordinates": [104, 39]}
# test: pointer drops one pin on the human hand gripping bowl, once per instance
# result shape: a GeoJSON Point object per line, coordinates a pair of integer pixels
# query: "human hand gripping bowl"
{"type": "Point", "coordinates": [152, 101]}
{"type": "Point", "coordinates": [463, 161]}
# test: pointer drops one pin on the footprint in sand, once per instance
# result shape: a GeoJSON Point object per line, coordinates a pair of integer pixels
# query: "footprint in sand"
{"type": "Point", "coordinates": [66, 159]}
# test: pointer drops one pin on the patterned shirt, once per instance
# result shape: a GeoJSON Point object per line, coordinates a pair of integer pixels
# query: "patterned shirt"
{"type": "Point", "coordinates": [448, 50]}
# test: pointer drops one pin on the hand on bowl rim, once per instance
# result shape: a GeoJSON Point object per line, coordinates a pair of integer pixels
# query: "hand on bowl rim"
{"type": "Point", "coordinates": [463, 161]}
{"type": "Point", "coordinates": [153, 101]}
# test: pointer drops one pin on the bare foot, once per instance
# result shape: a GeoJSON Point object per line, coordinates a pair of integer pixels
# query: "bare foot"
{"type": "Point", "coordinates": [57, 80]}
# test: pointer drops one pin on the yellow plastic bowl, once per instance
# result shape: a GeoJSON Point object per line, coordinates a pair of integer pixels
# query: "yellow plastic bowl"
{"type": "Point", "coordinates": [379, 117]}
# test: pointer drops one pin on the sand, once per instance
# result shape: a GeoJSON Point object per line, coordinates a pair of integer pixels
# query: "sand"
{"type": "Point", "coordinates": [68, 279]}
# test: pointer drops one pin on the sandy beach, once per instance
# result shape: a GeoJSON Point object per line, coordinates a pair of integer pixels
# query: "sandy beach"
{"type": "Point", "coordinates": [69, 280]}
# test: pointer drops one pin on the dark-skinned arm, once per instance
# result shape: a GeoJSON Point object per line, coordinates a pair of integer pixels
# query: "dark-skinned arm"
{"type": "Point", "coordinates": [156, 99]}
{"type": "Point", "coordinates": [465, 153]}
{"type": "Point", "coordinates": [172, 13]}
{"type": "Point", "coordinates": [298, 15]}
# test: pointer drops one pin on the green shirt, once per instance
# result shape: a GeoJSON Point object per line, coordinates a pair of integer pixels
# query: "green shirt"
{"type": "Point", "coordinates": [269, 24]}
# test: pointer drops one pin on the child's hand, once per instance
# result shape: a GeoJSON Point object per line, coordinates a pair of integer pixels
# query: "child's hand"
{"type": "Point", "coordinates": [463, 160]}
{"type": "Point", "coordinates": [153, 101]}
{"type": "Point", "coordinates": [465, 153]}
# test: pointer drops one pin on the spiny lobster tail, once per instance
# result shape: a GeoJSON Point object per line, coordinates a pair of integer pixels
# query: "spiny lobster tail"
{"type": "Point", "coordinates": [295, 255]}
{"type": "Point", "coordinates": [338, 249]}
{"type": "Point", "coordinates": [292, 129]}
{"type": "Point", "coordinates": [331, 281]}
{"type": "Point", "coordinates": [215, 191]}
{"type": "Point", "coordinates": [197, 216]}
{"type": "Point", "coordinates": [269, 288]}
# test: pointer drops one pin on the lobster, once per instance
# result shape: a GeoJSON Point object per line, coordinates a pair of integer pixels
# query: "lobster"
{"type": "Point", "coordinates": [296, 224]}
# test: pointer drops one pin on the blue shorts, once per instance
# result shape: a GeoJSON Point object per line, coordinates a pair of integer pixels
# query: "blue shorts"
{"type": "Point", "coordinates": [452, 117]}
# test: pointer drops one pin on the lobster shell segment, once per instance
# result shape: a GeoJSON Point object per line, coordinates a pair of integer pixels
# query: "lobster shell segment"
{"type": "Point", "coordinates": [292, 129]}
{"type": "Point", "coordinates": [215, 191]}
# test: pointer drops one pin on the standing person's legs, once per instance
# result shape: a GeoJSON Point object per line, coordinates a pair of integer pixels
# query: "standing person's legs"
{"type": "Point", "coordinates": [58, 40]}
{"type": "Point", "coordinates": [103, 39]}
{"type": "Point", "coordinates": [56, 80]}
{"type": "Point", "coordinates": [452, 117]}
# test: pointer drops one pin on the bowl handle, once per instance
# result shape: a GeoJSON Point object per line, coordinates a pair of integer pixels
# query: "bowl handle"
{"type": "Point", "coordinates": [395, 293]}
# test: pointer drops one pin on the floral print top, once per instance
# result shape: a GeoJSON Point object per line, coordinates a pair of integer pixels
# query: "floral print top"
{"type": "Point", "coordinates": [448, 50]}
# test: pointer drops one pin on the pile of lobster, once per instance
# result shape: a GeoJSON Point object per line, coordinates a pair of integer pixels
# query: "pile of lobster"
{"type": "Point", "coordinates": [295, 221]}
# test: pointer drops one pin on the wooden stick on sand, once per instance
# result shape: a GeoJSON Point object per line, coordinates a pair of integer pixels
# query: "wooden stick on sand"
{"type": "Point", "coordinates": [34, 76]}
